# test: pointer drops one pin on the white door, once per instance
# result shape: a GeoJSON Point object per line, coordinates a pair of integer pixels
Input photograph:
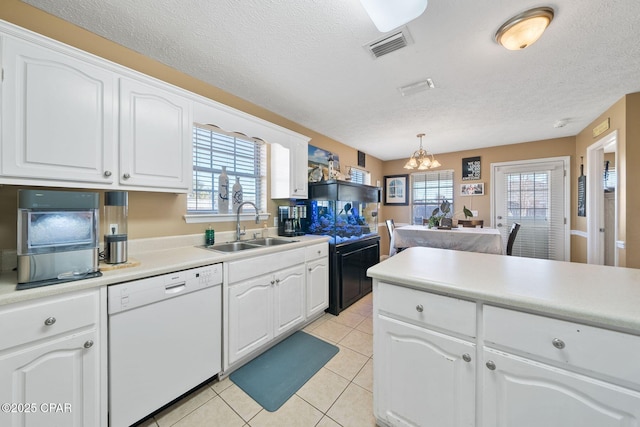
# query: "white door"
{"type": "Point", "coordinates": [250, 316]}
{"type": "Point", "coordinates": [523, 393]}
{"type": "Point", "coordinates": [155, 137]}
{"type": "Point", "coordinates": [288, 299]}
{"type": "Point", "coordinates": [57, 116]}
{"type": "Point", "coordinates": [317, 286]}
{"type": "Point", "coordinates": [58, 381]}
{"type": "Point", "coordinates": [534, 193]}
{"type": "Point", "coordinates": [425, 378]}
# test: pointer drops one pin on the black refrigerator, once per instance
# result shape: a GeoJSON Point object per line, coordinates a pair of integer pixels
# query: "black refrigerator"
{"type": "Point", "coordinates": [347, 213]}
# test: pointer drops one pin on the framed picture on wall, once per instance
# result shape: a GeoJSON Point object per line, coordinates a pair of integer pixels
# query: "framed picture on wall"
{"type": "Point", "coordinates": [471, 168]}
{"type": "Point", "coordinates": [396, 190]}
{"type": "Point", "coordinates": [476, 189]}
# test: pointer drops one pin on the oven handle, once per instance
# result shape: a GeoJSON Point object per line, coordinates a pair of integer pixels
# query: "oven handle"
{"type": "Point", "coordinates": [174, 289]}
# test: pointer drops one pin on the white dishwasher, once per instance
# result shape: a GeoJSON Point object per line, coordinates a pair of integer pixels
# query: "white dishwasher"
{"type": "Point", "coordinates": [164, 339]}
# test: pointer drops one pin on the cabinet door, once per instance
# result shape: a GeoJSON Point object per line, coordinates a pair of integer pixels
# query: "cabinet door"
{"type": "Point", "coordinates": [58, 380]}
{"type": "Point", "coordinates": [299, 169]}
{"type": "Point", "coordinates": [57, 116]}
{"type": "Point", "coordinates": [317, 287]}
{"type": "Point", "coordinates": [155, 137]}
{"type": "Point", "coordinates": [250, 316]}
{"type": "Point", "coordinates": [422, 377]}
{"type": "Point", "coordinates": [524, 393]}
{"type": "Point", "coordinates": [289, 177]}
{"type": "Point", "coordinates": [289, 307]}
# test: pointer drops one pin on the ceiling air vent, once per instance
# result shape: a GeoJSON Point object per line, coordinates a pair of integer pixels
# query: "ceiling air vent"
{"type": "Point", "coordinates": [389, 43]}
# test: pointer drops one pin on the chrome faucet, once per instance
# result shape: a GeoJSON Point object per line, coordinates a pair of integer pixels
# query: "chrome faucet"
{"type": "Point", "coordinates": [242, 233]}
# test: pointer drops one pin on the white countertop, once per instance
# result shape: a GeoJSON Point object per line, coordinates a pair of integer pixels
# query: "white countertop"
{"type": "Point", "coordinates": [176, 255]}
{"type": "Point", "coordinates": [598, 295]}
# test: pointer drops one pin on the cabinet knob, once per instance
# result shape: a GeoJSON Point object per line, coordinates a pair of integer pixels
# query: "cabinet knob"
{"type": "Point", "coordinates": [126, 176]}
{"type": "Point", "coordinates": [277, 280]}
{"type": "Point", "coordinates": [558, 343]}
{"type": "Point", "coordinates": [273, 281]}
{"type": "Point", "coordinates": [88, 344]}
{"type": "Point", "coordinates": [466, 357]}
{"type": "Point", "coordinates": [50, 321]}
{"type": "Point", "coordinates": [310, 269]}
{"type": "Point", "coordinates": [419, 308]}
{"type": "Point", "coordinates": [491, 365]}
{"type": "Point", "coordinates": [107, 174]}
{"type": "Point", "coordinates": [319, 252]}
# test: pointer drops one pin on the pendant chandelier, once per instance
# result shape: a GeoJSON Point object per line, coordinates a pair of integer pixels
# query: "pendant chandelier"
{"type": "Point", "coordinates": [421, 160]}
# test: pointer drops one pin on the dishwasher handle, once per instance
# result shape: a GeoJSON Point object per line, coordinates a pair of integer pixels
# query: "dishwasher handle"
{"type": "Point", "coordinates": [174, 289]}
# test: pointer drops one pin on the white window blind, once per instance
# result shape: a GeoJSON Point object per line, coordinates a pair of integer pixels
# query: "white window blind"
{"type": "Point", "coordinates": [428, 190]}
{"type": "Point", "coordinates": [243, 157]}
{"type": "Point", "coordinates": [360, 176]}
{"type": "Point", "coordinates": [535, 199]}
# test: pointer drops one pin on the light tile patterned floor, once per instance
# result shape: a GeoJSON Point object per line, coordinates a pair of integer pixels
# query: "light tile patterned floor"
{"type": "Point", "coordinates": [340, 394]}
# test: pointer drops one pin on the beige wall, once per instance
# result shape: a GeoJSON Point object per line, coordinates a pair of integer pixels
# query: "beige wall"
{"type": "Point", "coordinates": [150, 214]}
{"type": "Point", "coordinates": [529, 150]}
{"type": "Point", "coordinates": [623, 116]}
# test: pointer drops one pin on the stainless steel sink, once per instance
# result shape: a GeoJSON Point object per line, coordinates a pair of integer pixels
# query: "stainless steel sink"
{"type": "Point", "coordinates": [248, 244]}
{"type": "Point", "coordinates": [270, 241]}
{"type": "Point", "coordinates": [232, 247]}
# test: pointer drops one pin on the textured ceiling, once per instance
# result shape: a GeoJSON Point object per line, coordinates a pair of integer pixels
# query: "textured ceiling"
{"type": "Point", "coordinates": [304, 60]}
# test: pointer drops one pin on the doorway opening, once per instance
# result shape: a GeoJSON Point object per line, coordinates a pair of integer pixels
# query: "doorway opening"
{"type": "Point", "coordinates": [602, 201]}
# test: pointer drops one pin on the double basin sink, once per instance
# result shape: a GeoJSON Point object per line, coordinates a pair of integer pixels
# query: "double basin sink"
{"type": "Point", "coordinates": [249, 244]}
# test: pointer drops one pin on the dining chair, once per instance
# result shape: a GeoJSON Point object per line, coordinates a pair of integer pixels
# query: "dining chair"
{"type": "Point", "coordinates": [390, 226]}
{"type": "Point", "coordinates": [512, 237]}
{"type": "Point", "coordinates": [471, 222]}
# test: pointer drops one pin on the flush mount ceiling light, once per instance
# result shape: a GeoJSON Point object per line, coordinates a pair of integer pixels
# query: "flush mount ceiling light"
{"type": "Point", "coordinates": [387, 15]}
{"type": "Point", "coordinates": [524, 29]}
{"type": "Point", "coordinates": [420, 159]}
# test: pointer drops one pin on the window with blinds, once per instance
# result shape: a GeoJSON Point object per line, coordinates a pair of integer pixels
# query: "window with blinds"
{"type": "Point", "coordinates": [360, 176]}
{"type": "Point", "coordinates": [535, 198]}
{"type": "Point", "coordinates": [428, 190]}
{"type": "Point", "coordinates": [243, 157]}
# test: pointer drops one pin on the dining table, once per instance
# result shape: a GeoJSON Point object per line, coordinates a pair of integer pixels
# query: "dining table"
{"type": "Point", "coordinates": [487, 240]}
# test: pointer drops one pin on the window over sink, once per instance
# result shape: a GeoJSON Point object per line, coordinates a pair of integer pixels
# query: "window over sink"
{"type": "Point", "coordinates": [242, 156]}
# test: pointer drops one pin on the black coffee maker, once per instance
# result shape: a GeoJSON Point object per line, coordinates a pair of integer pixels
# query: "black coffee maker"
{"type": "Point", "coordinates": [291, 219]}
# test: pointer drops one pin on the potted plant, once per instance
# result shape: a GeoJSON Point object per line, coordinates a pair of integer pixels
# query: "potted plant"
{"type": "Point", "coordinates": [438, 213]}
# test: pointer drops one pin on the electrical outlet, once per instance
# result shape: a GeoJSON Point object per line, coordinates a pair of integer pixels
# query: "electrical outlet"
{"type": "Point", "coordinates": [475, 213]}
{"type": "Point", "coordinates": [275, 221]}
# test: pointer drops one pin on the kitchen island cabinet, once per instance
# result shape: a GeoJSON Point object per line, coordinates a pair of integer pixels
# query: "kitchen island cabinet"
{"type": "Point", "coordinates": [548, 344]}
{"type": "Point", "coordinates": [52, 359]}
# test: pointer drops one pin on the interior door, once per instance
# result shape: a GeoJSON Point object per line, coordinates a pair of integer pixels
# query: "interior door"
{"type": "Point", "coordinates": [535, 194]}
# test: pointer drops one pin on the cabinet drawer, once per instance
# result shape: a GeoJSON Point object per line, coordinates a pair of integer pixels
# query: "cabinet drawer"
{"type": "Point", "coordinates": [595, 349]}
{"type": "Point", "coordinates": [316, 251]}
{"type": "Point", "coordinates": [428, 309]}
{"type": "Point", "coordinates": [264, 264]}
{"type": "Point", "coordinates": [37, 319]}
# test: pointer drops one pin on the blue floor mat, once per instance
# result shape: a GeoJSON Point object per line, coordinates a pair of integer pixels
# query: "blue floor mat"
{"type": "Point", "coordinates": [274, 376]}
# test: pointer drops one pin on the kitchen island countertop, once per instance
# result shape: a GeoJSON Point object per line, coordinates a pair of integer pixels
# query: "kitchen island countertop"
{"type": "Point", "coordinates": [598, 295]}
{"type": "Point", "coordinates": [179, 253]}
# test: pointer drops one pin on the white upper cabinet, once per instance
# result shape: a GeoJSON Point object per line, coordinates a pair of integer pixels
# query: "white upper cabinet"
{"type": "Point", "coordinates": [289, 177]}
{"type": "Point", "coordinates": [57, 116]}
{"type": "Point", "coordinates": [155, 137]}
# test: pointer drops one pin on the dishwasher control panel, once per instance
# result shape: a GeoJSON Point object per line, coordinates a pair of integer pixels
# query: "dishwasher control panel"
{"type": "Point", "coordinates": [125, 296]}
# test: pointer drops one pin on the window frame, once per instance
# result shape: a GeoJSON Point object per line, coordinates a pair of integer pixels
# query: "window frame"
{"type": "Point", "coordinates": [432, 203]}
{"type": "Point", "coordinates": [260, 198]}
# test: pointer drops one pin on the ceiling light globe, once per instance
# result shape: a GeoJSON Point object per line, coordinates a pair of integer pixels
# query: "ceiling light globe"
{"type": "Point", "coordinates": [525, 29]}
{"type": "Point", "coordinates": [435, 164]}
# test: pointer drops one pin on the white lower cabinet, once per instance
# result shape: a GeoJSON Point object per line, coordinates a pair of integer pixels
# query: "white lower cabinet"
{"type": "Point", "coordinates": [262, 308]}
{"type": "Point", "coordinates": [317, 279]}
{"type": "Point", "coordinates": [534, 370]}
{"type": "Point", "coordinates": [424, 378]}
{"type": "Point", "coordinates": [51, 372]}
{"type": "Point", "coordinates": [524, 393]}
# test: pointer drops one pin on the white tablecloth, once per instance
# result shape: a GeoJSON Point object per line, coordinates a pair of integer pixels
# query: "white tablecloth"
{"type": "Point", "coordinates": [487, 240]}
